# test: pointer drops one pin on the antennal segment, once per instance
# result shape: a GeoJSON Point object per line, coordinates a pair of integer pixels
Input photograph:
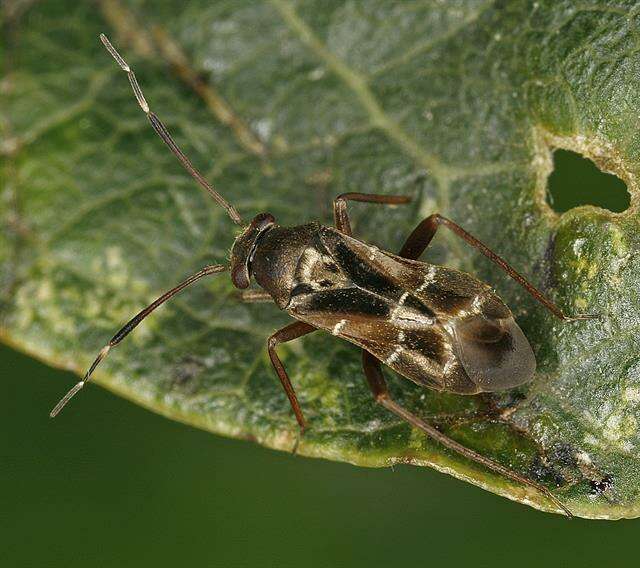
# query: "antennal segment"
{"type": "Point", "coordinates": [129, 327]}
{"type": "Point", "coordinates": [162, 131]}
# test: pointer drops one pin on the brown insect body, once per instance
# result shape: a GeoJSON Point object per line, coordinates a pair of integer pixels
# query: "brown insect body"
{"type": "Point", "coordinates": [437, 326]}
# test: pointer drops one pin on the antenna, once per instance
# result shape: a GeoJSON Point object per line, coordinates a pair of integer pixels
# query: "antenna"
{"type": "Point", "coordinates": [162, 131]}
{"type": "Point", "coordinates": [128, 327]}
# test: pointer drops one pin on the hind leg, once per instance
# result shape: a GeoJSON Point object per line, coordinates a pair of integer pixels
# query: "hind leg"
{"type": "Point", "coordinates": [422, 235]}
{"type": "Point", "coordinates": [378, 386]}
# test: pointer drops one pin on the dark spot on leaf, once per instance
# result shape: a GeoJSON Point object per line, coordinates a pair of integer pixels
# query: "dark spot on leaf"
{"type": "Point", "coordinates": [420, 176]}
{"type": "Point", "coordinates": [185, 374]}
{"type": "Point", "coordinates": [504, 401]}
{"type": "Point", "coordinates": [563, 455]}
{"type": "Point", "coordinates": [250, 438]}
{"type": "Point", "coordinates": [602, 485]}
{"type": "Point", "coordinates": [544, 472]}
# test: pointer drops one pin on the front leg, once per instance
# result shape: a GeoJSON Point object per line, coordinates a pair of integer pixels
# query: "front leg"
{"type": "Point", "coordinates": [340, 215]}
{"type": "Point", "coordinates": [288, 333]}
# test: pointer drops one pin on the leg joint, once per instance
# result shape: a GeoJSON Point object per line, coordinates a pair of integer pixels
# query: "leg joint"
{"type": "Point", "coordinates": [272, 342]}
{"type": "Point", "coordinates": [382, 397]}
{"type": "Point", "coordinates": [343, 197]}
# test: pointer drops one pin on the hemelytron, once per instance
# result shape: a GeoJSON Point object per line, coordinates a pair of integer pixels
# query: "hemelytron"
{"type": "Point", "coordinates": [439, 327]}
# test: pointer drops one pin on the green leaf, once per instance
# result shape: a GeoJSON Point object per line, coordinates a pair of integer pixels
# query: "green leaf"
{"type": "Point", "coordinates": [283, 106]}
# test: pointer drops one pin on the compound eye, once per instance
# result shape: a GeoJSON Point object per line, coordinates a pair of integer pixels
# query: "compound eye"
{"type": "Point", "coordinates": [494, 353]}
{"type": "Point", "coordinates": [245, 247]}
{"type": "Point", "coordinates": [262, 221]}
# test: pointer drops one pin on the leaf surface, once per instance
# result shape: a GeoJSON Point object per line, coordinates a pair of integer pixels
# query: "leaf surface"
{"type": "Point", "coordinates": [284, 105]}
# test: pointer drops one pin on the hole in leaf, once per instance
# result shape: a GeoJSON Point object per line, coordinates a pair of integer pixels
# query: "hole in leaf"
{"type": "Point", "coordinates": [576, 181]}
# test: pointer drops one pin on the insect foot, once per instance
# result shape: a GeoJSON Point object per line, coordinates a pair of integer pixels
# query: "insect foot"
{"type": "Point", "coordinates": [299, 434]}
{"type": "Point", "coordinates": [582, 317]}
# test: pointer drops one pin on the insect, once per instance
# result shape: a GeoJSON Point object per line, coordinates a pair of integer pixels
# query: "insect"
{"type": "Point", "coordinates": [438, 327]}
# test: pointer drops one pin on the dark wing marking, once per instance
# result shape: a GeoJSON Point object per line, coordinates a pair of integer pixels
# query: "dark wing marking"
{"type": "Point", "coordinates": [444, 291]}
{"type": "Point", "coordinates": [347, 302]}
{"type": "Point", "coordinates": [302, 288]}
{"type": "Point", "coordinates": [364, 274]}
{"type": "Point", "coordinates": [412, 304]}
{"type": "Point", "coordinates": [366, 266]}
{"type": "Point", "coordinates": [412, 347]}
{"type": "Point", "coordinates": [450, 292]}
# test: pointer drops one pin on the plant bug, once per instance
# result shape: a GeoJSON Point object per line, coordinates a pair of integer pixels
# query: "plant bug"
{"type": "Point", "coordinates": [439, 327]}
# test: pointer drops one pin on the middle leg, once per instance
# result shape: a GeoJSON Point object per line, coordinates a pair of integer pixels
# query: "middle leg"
{"type": "Point", "coordinates": [340, 215]}
{"type": "Point", "coordinates": [288, 333]}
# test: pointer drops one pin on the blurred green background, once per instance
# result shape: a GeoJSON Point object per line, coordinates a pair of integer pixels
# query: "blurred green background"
{"type": "Point", "coordinates": [111, 484]}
